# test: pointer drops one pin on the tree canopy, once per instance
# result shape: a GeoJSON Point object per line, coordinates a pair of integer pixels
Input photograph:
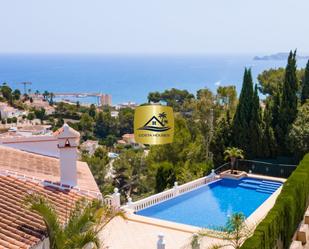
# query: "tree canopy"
{"type": "Point", "coordinates": [305, 85]}
{"type": "Point", "coordinates": [299, 133]}
{"type": "Point", "coordinates": [288, 104]}
{"type": "Point", "coordinates": [173, 97]}
{"type": "Point", "coordinates": [271, 80]}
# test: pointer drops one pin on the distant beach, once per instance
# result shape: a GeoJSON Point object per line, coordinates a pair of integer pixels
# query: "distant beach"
{"type": "Point", "coordinates": [128, 78]}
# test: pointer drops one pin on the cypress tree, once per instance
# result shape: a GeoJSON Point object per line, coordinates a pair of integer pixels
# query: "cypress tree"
{"type": "Point", "coordinates": [268, 141]}
{"type": "Point", "coordinates": [305, 90]}
{"type": "Point", "coordinates": [241, 122]}
{"type": "Point", "coordinates": [274, 106]}
{"type": "Point", "coordinates": [221, 139]}
{"type": "Point", "coordinates": [288, 106]}
{"type": "Point", "coordinates": [255, 128]}
{"type": "Point", "coordinates": [276, 102]}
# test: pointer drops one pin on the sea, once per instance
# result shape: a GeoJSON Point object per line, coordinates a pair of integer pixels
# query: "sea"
{"type": "Point", "coordinates": [128, 78]}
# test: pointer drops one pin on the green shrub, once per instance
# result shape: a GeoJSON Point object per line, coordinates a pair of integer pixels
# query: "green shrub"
{"type": "Point", "coordinates": [165, 176]}
{"type": "Point", "coordinates": [30, 116]}
{"type": "Point", "coordinates": [283, 219]}
{"type": "Point", "coordinates": [14, 120]}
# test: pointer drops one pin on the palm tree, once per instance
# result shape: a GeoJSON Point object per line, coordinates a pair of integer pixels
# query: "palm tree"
{"type": "Point", "coordinates": [232, 153]}
{"type": "Point", "coordinates": [162, 116]}
{"type": "Point", "coordinates": [45, 95]}
{"type": "Point", "coordinates": [81, 228]}
{"type": "Point", "coordinates": [51, 98]}
{"type": "Point", "coordinates": [234, 233]}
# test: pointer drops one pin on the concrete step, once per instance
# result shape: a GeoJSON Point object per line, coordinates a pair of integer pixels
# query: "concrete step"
{"type": "Point", "coordinates": [265, 191]}
{"type": "Point", "coordinates": [245, 185]}
{"type": "Point", "coordinates": [273, 183]}
{"type": "Point", "coordinates": [268, 187]}
{"type": "Point", "coordinates": [251, 181]}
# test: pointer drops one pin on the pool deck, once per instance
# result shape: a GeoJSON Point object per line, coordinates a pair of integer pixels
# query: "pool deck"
{"type": "Point", "coordinates": [128, 234]}
{"type": "Point", "coordinates": [139, 232]}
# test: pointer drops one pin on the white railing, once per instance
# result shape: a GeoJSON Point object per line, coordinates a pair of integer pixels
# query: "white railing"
{"type": "Point", "coordinates": [169, 194]}
{"type": "Point", "coordinates": [195, 184]}
{"type": "Point", "coordinates": [112, 200]}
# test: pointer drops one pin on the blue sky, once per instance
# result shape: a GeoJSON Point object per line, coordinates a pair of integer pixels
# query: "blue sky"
{"type": "Point", "coordinates": [153, 26]}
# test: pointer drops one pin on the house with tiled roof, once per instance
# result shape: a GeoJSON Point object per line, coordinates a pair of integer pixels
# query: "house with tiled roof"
{"type": "Point", "coordinates": [7, 111]}
{"type": "Point", "coordinates": [89, 146]}
{"type": "Point", "coordinates": [37, 139]}
{"type": "Point", "coordinates": [61, 180]}
{"type": "Point", "coordinates": [129, 139]}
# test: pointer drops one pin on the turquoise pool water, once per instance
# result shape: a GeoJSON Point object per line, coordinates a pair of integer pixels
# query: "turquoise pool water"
{"type": "Point", "coordinates": [210, 205]}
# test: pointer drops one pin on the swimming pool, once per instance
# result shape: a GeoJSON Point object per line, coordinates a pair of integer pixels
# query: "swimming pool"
{"type": "Point", "coordinates": [210, 206]}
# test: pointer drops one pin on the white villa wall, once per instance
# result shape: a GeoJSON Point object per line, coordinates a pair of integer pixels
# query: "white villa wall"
{"type": "Point", "coordinates": [44, 145]}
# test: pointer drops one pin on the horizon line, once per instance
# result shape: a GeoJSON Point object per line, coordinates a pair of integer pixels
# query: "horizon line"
{"type": "Point", "coordinates": [301, 53]}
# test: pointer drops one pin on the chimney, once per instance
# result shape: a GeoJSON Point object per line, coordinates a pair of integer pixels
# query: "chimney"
{"type": "Point", "coordinates": [68, 140]}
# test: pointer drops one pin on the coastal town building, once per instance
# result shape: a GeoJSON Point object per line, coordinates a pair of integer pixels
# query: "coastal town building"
{"type": "Point", "coordinates": [89, 146]}
{"type": "Point", "coordinates": [7, 111]}
{"type": "Point", "coordinates": [128, 139]}
{"type": "Point", "coordinates": [37, 139]}
{"type": "Point", "coordinates": [105, 99]}
{"type": "Point", "coordinates": [29, 130]}
{"type": "Point", "coordinates": [114, 114]}
{"type": "Point", "coordinates": [62, 181]}
{"type": "Point", "coordinates": [129, 104]}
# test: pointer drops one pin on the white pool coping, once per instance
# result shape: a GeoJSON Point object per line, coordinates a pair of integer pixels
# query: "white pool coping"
{"type": "Point", "coordinates": [252, 221]}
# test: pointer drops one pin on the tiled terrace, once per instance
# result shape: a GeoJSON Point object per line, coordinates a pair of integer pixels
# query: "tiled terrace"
{"type": "Point", "coordinates": [126, 234]}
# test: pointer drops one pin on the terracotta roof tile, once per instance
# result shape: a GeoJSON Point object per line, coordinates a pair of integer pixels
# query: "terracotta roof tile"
{"type": "Point", "coordinates": [19, 227]}
{"type": "Point", "coordinates": [57, 132]}
{"type": "Point", "coordinates": [22, 173]}
{"type": "Point", "coordinates": [128, 135]}
{"type": "Point", "coordinates": [43, 167]}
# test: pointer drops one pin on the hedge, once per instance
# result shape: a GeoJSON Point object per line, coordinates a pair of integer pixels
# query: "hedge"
{"type": "Point", "coordinates": [282, 220]}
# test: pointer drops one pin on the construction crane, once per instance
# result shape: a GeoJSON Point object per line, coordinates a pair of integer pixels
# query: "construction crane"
{"type": "Point", "coordinates": [25, 86]}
